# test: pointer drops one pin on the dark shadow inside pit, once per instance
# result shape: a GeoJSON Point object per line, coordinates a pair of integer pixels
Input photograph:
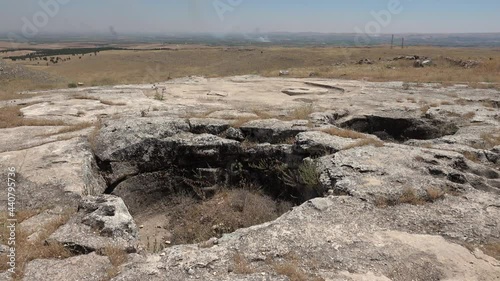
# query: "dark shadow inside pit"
{"type": "Point", "coordinates": [401, 129]}
{"type": "Point", "coordinates": [195, 197]}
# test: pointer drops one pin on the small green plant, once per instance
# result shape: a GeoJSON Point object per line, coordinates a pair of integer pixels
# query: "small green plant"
{"type": "Point", "coordinates": [306, 176]}
{"type": "Point", "coordinates": [159, 96]}
{"type": "Point", "coordinates": [72, 85]}
{"type": "Point", "coordinates": [268, 165]}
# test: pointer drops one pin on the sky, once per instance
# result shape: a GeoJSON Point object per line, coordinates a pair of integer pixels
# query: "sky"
{"type": "Point", "coordinates": [244, 16]}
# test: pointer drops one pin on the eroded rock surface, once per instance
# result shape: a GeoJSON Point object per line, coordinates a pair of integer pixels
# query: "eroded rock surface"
{"type": "Point", "coordinates": [413, 194]}
{"type": "Point", "coordinates": [102, 221]}
{"type": "Point", "coordinates": [86, 267]}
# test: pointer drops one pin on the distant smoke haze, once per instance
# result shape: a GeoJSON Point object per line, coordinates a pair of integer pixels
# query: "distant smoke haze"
{"type": "Point", "coordinates": [248, 16]}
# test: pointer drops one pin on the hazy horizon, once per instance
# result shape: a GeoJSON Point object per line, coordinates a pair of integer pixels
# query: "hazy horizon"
{"type": "Point", "coordinates": [245, 16]}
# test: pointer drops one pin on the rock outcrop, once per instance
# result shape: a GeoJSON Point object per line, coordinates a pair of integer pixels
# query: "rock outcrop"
{"type": "Point", "coordinates": [388, 181]}
{"type": "Point", "coordinates": [100, 222]}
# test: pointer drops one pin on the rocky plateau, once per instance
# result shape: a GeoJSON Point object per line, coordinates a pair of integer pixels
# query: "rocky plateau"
{"type": "Point", "coordinates": [387, 181]}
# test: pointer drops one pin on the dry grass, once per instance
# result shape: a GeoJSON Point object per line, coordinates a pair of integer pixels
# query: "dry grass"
{"type": "Point", "coordinates": [410, 196]}
{"type": "Point", "coordinates": [490, 104]}
{"type": "Point", "coordinates": [462, 102]}
{"type": "Point", "coordinates": [365, 142]}
{"type": "Point", "coordinates": [237, 123]}
{"type": "Point", "coordinates": [471, 156]}
{"type": "Point", "coordinates": [425, 108]}
{"type": "Point", "coordinates": [10, 89]}
{"type": "Point", "coordinates": [260, 115]}
{"type": "Point", "coordinates": [27, 251]}
{"type": "Point", "coordinates": [84, 97]}
{"type": "Point", "coordinates": [129, 67]}
{"type": "Point", "coordinates": [92, 137]}
{"type": "Point", "coordinates": [469, 115]}
{"type": "Point", "coordinates": [412, 100]}
{"type": "Point", "coordinates": [194, 221]}
{"type": "Point", "coordinates": [263, 114]}
{"type": "Point", "coordinates": [492, 249]}
{"type": "Point", "coordinates": [11, 117]}
{"type": "Point", "coordinates": [107, 102]}
{"type": "Point", "coordinates": [446, 103]}
{"type": "Point", "coordinates": [477, 85]}
{"type": "Point", "coordinates": [344, 133]}
{"type": "Point", "coordinates": [23, 215]}
{"type": "Point", "coordinates": [290, 268]}
{"type": "Point", "coordinates": [117, 257]}
{"type": "Point", "coordinates": [73, 128]}
{"type": "Point", "coordinates": [434, 194]}
{"type": "Point", "coordinates": [382, 202]}
{"type": "Point", "coordinates": [241, 265]}
{"type": "Point", "coordinates": [301, 113]}
{"type": "Point", "coordinates": [491, 139]}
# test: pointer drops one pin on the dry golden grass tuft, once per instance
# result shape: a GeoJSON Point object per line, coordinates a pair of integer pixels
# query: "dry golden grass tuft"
{"type": "Point", "coordinates": [108, 102]}
{"type": "Point", "coordinates": [84, 97]}
{"type": "Point", "coordinates": [491, 139]}
{"type": "Point", "coordinates": [425, 108]}
{"type": "Point", "coordinates": [28, 250]}
{"type": "Point", "coordinates": [490, 104]}
{"type": "Point", "coordinates": [434, 193]}
{"type": "Point", "coordinates": [410, 196]}
{"type": "Point", "coordinates": [23, 215]}
{"type": "Point", "coordinates": [241, 265]}
{"type": "Point", "coordinates": [291, 269]}
{"type": "Point", "coordinates": [462, 102]}
{"type": "Point", "coordinates": [343, 133]}
{"type": "Point", "coordinates": [477, 85]}
{"type": "Point", "coordinates": [263, 114]}
{"type": "Point", "coordinates": [469, 115]}
{"type": "Point", "coordinates": [92, 137]}
{"type": "Point", "coordinates": [117, 257]}
{"type": "Point", "coordinates": [382, 202]}
{"type": "Point", "coordinates": [471, 156]}
{"type": "Point", "coordinates": [73, 128]}
{"type": "Point", "coordinates": [237, 123]}
{"type": "Point", "coordinates": [446, 103]}
{"type": "Point", "coordinates": [301, 113]}
{"type": "Point", "coordinates": [365, 142]}
{"type": "Point", "coordinates": [260, 114]}
{"type": "Point", "coordinates": [492, 249]}
{"type": "Point", "coordinates": [193, 221]}
{"type": "Point", "coordinates": [11, 117]}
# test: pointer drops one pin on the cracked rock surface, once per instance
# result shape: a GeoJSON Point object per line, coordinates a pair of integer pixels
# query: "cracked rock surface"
{"type": "Point", "coordinates": [408, 178]}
